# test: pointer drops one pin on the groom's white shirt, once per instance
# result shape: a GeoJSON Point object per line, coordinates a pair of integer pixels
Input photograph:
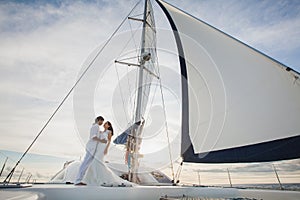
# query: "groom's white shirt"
{"type": "Point", "coordinates": [92, 144]}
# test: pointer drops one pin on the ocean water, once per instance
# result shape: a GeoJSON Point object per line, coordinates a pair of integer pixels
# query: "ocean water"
{"type": "Point", "coordinates": [285, 186]}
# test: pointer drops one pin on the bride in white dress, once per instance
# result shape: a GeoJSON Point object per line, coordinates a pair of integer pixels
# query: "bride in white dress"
{"type": "Point", "coordinates": [98, 173]}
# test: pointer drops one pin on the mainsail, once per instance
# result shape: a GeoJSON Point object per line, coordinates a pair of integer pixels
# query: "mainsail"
{"type": "Point", "coordinates": [238, 105]}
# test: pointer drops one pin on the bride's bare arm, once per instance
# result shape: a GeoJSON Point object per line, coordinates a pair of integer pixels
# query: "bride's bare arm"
{"type": "Point", "coordinates": [108, 143]}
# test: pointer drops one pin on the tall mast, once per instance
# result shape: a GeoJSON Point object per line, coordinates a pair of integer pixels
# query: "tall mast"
{"type": "Point", "coordinates": [138, 114]}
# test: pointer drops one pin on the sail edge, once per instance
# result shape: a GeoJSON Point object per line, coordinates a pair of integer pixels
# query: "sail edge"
{"type": "Point", "coordinates": [282, 65]}
{"type": "Point", "coordinates": [185, 137]}
{"type": "Point", "coordinates": [280, 149]}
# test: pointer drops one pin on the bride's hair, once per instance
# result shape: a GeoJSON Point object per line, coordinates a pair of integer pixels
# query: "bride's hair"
{"type": "Point", "coordinates": [110, 127]}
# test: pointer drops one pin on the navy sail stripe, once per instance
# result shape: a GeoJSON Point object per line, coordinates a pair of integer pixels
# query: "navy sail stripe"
{"type": "Point", "coordinates": [185, 138]}
{"type": "Point", "coordinates": [287, 148]}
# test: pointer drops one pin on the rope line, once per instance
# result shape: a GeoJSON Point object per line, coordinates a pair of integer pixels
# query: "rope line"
{"type": "Point", "coordinates": [68, 94]}
{"type": "Point", "coordinates": [121, 93]}
{"type": "Point", "coordinates": [166, 124]}
{"type": "Point", "coordinates": [132, 36]}
{"type": "Point", "coordinates": [117, 72]}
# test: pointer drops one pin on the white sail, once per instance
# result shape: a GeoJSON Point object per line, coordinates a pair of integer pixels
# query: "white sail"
{"type": "Point", "coordinates": [236, 96]}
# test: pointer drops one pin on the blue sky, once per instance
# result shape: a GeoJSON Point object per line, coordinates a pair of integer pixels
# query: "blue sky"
{"type": "Point", "coordinates": [45, 43]}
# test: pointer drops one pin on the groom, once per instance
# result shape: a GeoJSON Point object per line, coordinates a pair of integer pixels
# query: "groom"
{"type": "Point", "coordinates": [90, 149]}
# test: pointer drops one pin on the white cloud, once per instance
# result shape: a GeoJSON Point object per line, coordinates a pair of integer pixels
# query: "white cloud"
{"type": "Point", "coordinates": [42, 49]}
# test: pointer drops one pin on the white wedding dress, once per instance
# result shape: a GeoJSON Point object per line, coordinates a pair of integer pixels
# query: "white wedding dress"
{"type": "Point", "coordinates": [98, 173]}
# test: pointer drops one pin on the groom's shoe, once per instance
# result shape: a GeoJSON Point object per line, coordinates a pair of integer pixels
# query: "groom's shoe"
{"type": "Point", "coordinates": [80, 184]}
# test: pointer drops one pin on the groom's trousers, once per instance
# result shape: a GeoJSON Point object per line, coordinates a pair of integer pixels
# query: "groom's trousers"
{"type": "Point", "coordinates": [84, 166]}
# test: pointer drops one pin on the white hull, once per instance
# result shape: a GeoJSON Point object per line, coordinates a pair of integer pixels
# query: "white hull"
{"type": "Point", "coordinates": [71, 192]}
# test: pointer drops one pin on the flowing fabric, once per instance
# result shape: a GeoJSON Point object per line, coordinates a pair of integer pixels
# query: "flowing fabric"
{"type": "Point", "coordinates": [98, 173]}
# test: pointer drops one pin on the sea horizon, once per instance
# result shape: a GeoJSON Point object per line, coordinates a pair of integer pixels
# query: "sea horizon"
{"type": "Point", "coordinates": [41, 168]}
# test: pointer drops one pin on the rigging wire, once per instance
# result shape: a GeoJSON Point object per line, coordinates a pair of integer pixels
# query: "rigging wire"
{"type": "Point", "coordinates": [178, 173]}
{"type": "Point", "coordinates": [136, 52]}
{"type": "Point", "coordinates": [68, 94]}
{"type": "Point", "coordinates": [118, 75]}
{"type": "Point", "coordinates": [128, 58]}
{"type": "Point", "coordinates": [121, 93]}
{"type": "Point", "coordinates": [128, 82]}
{"type": "Point", "coordinates": [154, 94]}
{"type": "Point", "coordinates": [137, 56]}
{"type": "Point", "coordinates": [165, 116]}
{"type": "Point", "coordinates": [141, 14]}
{"type": "Point", "coordinates": [132, 36]}
{"type": "Point", "coordinates": [166, 124]}
{"type": "Point", "coordinates": [136, 71]}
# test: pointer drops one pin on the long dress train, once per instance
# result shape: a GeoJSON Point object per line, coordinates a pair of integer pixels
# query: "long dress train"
{"type": "Point", "coordinates": [98, 173]}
